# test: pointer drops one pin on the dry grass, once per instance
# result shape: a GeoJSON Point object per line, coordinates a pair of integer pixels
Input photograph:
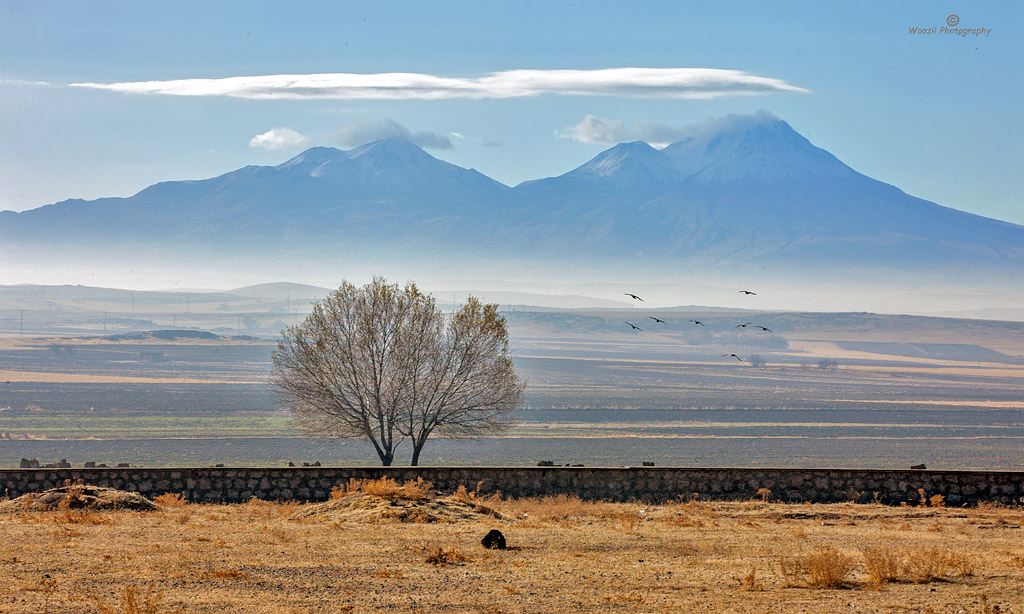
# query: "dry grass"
{"type": "Point", "coordinates": [882, 564]}
{"type": "Point", "coordinates": [827, 568]}
{"type": "Point", "coordinates": [441, 557]}
{"type": "Point", "coordinates": [170, 499]}
{"type": "Point", "coordinates": [413, 490]}
{"type": "Point", "coordinates": [565, 555]}
{"type": "Point", "coordinates": [750, 582]}
{"type": "Point", "coordinates": [134, 602]}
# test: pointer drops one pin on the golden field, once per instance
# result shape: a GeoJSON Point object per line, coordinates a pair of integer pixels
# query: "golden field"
{"type": "Point", "coordinates": [382, 548]}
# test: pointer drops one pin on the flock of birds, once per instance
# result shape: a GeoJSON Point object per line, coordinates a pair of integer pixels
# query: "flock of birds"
{"type": "Point", "coordinates": [698, 322]}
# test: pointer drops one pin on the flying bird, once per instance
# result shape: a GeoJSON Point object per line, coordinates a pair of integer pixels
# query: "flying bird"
{"type": "Point", "coordinates": [744, 325]}
{"type": "Point", "coordinates": [734, 356]}
{"type": "Point", "coordinates": [748, 292]}
{"type": "Point", "coordinates": [657, 320]}
{"type": "Point", "coordinates": [635, 327]}
{"type": "Point", "coordinates": [634, 296]}
{"type": "Point", "coordinates": [764, 328]}
{"type": "Point", "coordinates": [698, 322]}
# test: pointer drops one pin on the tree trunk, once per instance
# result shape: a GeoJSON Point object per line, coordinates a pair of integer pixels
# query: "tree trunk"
{"type": "Point", "coordinates": [386, 458]}
{"type": "Point", "coordinates": [416, 449]}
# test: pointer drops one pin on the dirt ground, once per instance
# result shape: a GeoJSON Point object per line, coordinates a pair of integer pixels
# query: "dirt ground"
{"type": "Point", "coordinates": [369, 553]}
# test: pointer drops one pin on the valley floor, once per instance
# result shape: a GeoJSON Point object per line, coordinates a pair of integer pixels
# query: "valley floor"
{"type": "Point", "coordinates": [564, 556]}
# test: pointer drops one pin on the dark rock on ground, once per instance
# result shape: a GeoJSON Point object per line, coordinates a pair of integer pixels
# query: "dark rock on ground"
{"type": "Point", "coordinates": [494, 539]}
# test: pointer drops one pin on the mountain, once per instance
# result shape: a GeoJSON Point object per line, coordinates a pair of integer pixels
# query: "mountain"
{"type": "Point", "coordinates": [377, 188]}
{"type": "Point", "coordinates": [738, 194]}
{"type": "Point", "coordinates": [752, 191]}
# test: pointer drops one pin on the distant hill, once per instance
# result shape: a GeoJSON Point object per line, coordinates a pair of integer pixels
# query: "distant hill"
{"type": "Point", "coordinates": [281, 291]}
{"type": "Point", "coordinates": [163, 335]}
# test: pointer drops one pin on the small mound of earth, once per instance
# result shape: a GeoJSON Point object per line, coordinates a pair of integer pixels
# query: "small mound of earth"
{"type": "Point", "coordinates": [362, 507]}
{"type": "Point", "coordinates": [80, 497]}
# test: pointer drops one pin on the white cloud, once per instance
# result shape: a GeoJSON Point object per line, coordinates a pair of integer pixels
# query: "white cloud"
{"type": "Point", "coordinates": [659, 135]}
{"type": "Point", "coordinates": [733, 121]}
{"type": "Point", "coordinates": [694, 83]}
{"type": "Point", "coordinates": [593, 129]}
{"type": "Point", "coordinates": [279, 138]}
{"type": "Point", "coordinates": [360, 134]}
{"type": "Point", "coordinates": [23, 82]}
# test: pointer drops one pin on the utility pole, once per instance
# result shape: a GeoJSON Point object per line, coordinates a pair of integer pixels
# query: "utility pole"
{"type": "Point", "coordinates": [104, 321]}
{"type": "Point", "coordinates": [238, 327]}
{"type": "Point", "coordinates": [22, 332]}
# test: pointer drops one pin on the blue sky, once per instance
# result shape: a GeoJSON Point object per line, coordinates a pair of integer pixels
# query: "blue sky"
{"type": "Point", "coordinates": [936, 115]}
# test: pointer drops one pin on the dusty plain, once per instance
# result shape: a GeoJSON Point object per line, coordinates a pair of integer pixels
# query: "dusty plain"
{"type": "Point", "coordinates": [384, 554]}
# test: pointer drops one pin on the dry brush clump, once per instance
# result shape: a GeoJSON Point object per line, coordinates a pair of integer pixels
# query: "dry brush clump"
{"type": "Point", "coordinates": [441, 557]}
{"type": "Point", "coordinates": [750, 582]}
{"type": "Point", "coordinates": [133, 601]}
{"type": "Point", "coordinates": [918, 565]}
{"type": "Point", "coordinates": [485, 504]}
{"type": "Point", "coordinates": [825, 567]}
{"type": "Point", "coordinates": [929, 563]}
{"type": "Point", "coordinates": [170, 499]}
{"type": "Point", "coordinates": [413, 490]}
{"type": "Point", "coordinates": [883, 564]}
{"type": "Point", "coordinates": [384, 500]}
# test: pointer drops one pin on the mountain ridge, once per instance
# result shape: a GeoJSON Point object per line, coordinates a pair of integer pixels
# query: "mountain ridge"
{"type": "Point", "coordinates": [742, 192]}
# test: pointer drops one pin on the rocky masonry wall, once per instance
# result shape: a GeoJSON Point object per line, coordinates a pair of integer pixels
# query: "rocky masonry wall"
{"type": "Point", "coordinates": [236, 485]}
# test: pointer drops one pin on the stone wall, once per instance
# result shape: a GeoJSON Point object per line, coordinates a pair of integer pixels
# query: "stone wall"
{"type": "Point", "coordinates": [235, 485]}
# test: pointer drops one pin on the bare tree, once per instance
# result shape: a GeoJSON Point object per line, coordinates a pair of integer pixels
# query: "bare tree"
{"type": "Point", "coordinates": [384, 363]}
{"type": "Point", "coordinates": [469, 386]}
{"type": "Point", "coordinates": [757, 361]}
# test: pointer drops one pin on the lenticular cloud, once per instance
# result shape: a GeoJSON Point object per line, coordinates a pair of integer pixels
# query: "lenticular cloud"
{"type": "Point", "coordinates": [699, 83]}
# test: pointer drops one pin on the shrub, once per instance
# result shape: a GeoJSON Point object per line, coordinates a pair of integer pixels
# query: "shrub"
{"type": "Point", "coordinates": [794, 572]}
{"type": "Point", "coordinates": [442, 557]}
{"type": "Point", "coordinates": [828, 568]}
{"type": "Point", "coordinates": [750, 582]}
{"type": "Point", "coordinates": [962, 564]}
{"type": "Point", "coordinates": [414, 490]}
{"type": "Point", "coordinates": [73, 507]}
{"type": "Point", "coordinates": [926, 564]}
{"type": "Point", "coordinates": [170, 499]}
{"type": "Point", "coordinates": [823, 568]}
{"type": "Point", "coordinates": [463, 495]}
{"type": "Point", "coordinates": [883, 564]}
{"type": "Point", "coordinates": [134, 603]}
